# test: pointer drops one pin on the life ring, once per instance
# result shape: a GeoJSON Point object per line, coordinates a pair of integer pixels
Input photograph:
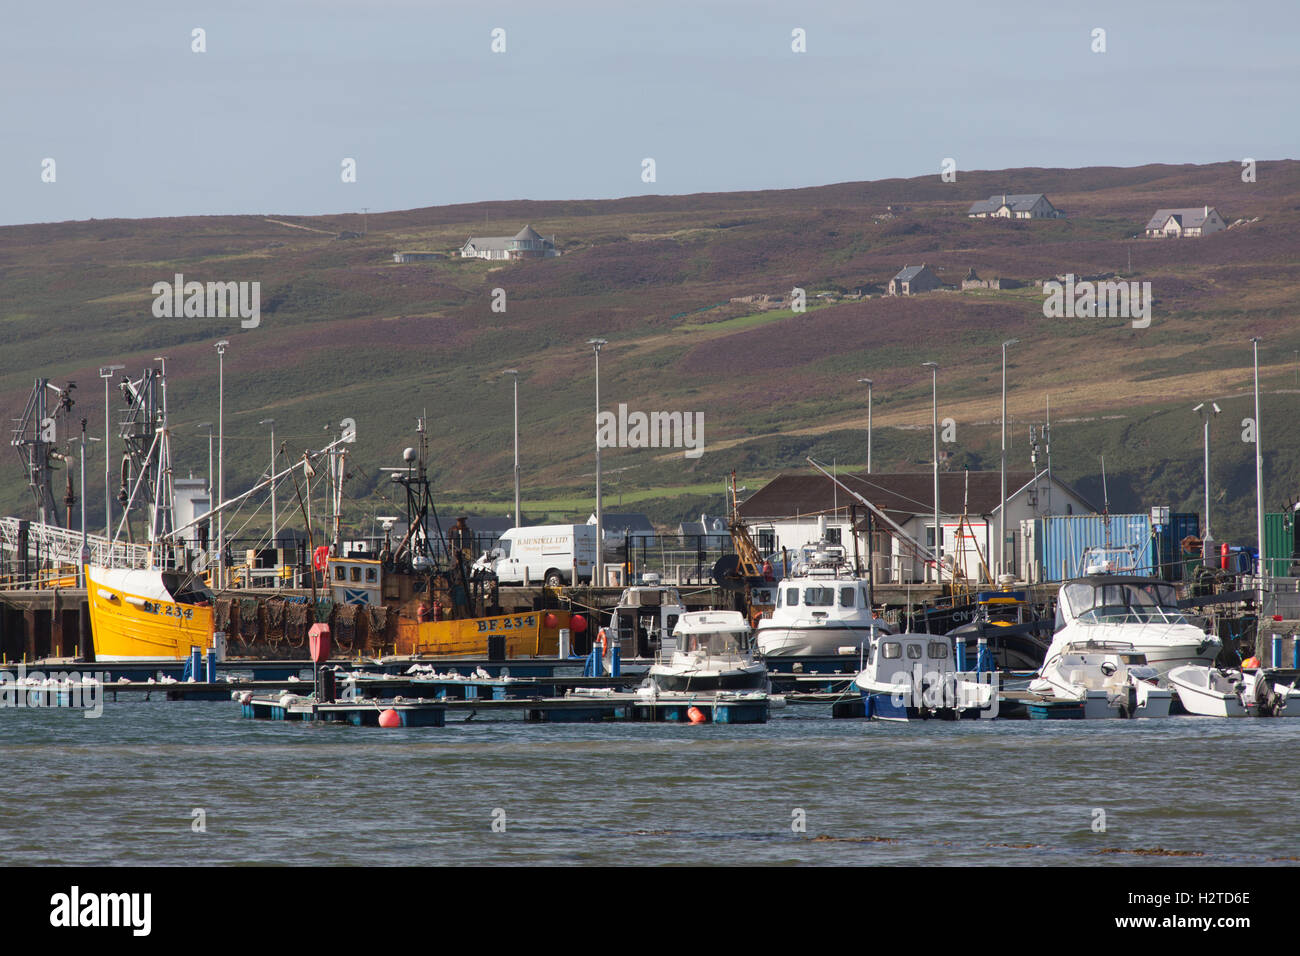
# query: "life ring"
{"type": "Point", "coordinates": [320, 559]}
{"type": "Point", "coordinates": [602, 641]}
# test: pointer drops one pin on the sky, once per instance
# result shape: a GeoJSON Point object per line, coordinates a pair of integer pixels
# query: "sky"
{"type": "Point", "coordinates": [138, 124]}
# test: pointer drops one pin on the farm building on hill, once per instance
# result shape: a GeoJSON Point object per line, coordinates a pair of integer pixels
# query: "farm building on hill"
{"type": "Point", "coordinates": [527, 243]}
{"type": "Point", "coordinates": [417, 256]}
{"type": "Point", "coordinates": [1188, 223]}
{"type": "Point", "coordinates": [1020, 206]}
{"type": "Point", "coordinates": [914, 279]}
{"type": "Point", "coordinates": [973, 281]}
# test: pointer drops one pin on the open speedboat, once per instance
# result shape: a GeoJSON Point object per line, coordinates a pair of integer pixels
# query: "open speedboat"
{"type": "Point", "coordinates": [1109, 681]}
{"type": "Point", "coordinates": [1208, 691]}
{"type": "Point", "coordinates": [1137, 613]}
{"type": "Point", "coordinates": [712, 653]}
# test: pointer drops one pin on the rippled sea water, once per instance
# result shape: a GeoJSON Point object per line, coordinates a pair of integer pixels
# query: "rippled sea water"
{"type": "Point", "coordinates": [122, 789]}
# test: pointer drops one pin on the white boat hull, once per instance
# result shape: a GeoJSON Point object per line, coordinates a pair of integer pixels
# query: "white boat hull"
{"type": "Point", "coordinates": [809, 641]}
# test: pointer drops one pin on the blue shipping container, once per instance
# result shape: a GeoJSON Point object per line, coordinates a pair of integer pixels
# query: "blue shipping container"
{"type": "Point", "coordinates": [1063, 541]}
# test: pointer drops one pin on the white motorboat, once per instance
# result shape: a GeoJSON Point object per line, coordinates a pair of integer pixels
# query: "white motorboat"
{"type": "Point", "coordinates": [1208, 691]}
{"type": "Point", "coordinates": [823, 608]}
{"type": "Point", "coordinates": [911, 676]}
{"type": "Point", "coordinates": [1141, 614]}
{"type": "Point", "coordinates": [712, 653]}
{"type": "Point", "coordinates": [1109, 681]}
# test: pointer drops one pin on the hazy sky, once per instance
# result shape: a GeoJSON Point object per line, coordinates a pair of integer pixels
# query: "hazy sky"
{"type": "Point", "coordinates": [140, 125]}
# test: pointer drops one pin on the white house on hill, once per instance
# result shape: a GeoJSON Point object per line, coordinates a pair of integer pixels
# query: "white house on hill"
{"type": "Point", "coordinates": [1018, 206]}
{"type": "Point", "coordinates": [527, 243]}
{"type": "Point", "coordinates": [1186, 223]}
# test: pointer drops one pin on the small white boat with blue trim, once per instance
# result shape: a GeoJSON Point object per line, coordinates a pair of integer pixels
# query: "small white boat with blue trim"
{"type": "Point", "coordinates": [912, 676]}
{"type": "Point", "coordinates": [712, 653]}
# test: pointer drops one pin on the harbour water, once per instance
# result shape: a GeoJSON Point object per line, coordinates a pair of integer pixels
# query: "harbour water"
{"type": "Point", "coordinates": [132, 787]}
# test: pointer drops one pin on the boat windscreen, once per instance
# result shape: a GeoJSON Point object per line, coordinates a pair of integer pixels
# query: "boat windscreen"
{"type": "Point", "coordinates": [1121, 601]}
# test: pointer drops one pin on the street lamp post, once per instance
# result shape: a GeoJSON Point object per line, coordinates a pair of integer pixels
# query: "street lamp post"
{"type": "Point", "coordinates": [271, 475]}
{"type": "Point", "coordinates": [867, 382]}
{"type": "Point", "coordinates": [515, 372]}
{"type": "Point", "coordinates": [1002, 512]}
{"type": "Point", "coordinates": [938, 532]}
{"type": "Point", "coordinates": [106, 372]}
{"type": "Point", "coordinates": [1259, 481]}
{"type": "Point", "coordinates": [208, 426]}
{"type": "Point", "coordinates": [1206, 415]}
{"type": "Point", "coordinates": [599, 578]}
{"type": "Point", "coordinates": [221, 459]}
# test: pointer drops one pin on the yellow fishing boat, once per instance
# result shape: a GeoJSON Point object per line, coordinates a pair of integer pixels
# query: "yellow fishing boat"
{"type": "Point", "coordinates": [146, 614]}
{"type": "Point", "coordinates": [527, 634]}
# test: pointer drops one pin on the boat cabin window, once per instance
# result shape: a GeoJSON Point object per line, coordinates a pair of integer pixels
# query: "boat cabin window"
{"type": "Point", "coordinates": [914, 652]}
{"type": "Point", "coordinates": [847, 596]}
{"type": "Point", "coordinates": [938, 650]}
{"type": "Point", "coordinates": [340, 573]}
{"type": "Point", "coordinates": [819, 597]}
{"type": "Point", "coordinates": [372, 576]}
{"type": "Point", "coordinates": [891, 650]}
{"type": "Point", "coordinates": [792, 596]}
{"type": "Point", "coordinates": [716, 642]}
{"type": "Point", "coordinates": [356, 574]}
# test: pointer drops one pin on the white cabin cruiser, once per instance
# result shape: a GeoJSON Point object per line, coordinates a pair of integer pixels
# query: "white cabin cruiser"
{"type": "Point", "coordinates": [911, 676]}
{"type": "Point", "coordinates": [712, 653]}
{"type": "Point", "coordinates": [1137, 613]}
{"type": "Point", "coordinates": [1110, 681]}
{"type": "Point", "coordinates": [1208, 691]}
{"type": "Point", "coordinates": [823, 608]}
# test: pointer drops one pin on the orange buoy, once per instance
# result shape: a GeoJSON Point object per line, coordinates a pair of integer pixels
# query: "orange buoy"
{"type": "Point", "coordinates": [1250, 663]}
{"type": "Point", "coordinates": [695, 715]}
{"type": "Point", "coordinates": [390, 718]}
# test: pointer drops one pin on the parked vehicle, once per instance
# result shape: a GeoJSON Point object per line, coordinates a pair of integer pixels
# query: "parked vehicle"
{"type": "Point", "coordinates": [553, 555]}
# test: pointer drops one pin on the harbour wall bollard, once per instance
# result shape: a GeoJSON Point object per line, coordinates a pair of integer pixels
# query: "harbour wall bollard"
{"type": "Point", "coordinates": [565, 642]}
{"type": "Point", "coordinates": [1295, 651]}
{"type": "Point", "coordinates": [210, 672]}
{"type": "Point", "coordinates": [1277, 650]}
{"type": "Point", "coordinates": [959, 649]}
{"type": "Point", "coordinates": [196, 663]}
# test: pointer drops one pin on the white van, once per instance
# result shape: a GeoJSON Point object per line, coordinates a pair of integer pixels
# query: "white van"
{"type": "Point", "coordinates": [552, 554]}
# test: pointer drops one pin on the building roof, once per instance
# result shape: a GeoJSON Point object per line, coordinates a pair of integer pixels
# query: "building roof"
{"type": "Point", "coordinates": [901, 495]}
{"type": "Point", "coordinates": [528, 232]}
{"type": "Point", "coordinates": [1019, 202]}
{"type": "Point", "coordinates": [1189, 218]}
{"type": "Point", "coordinates": [633, 523]}
{"type": "Point", "coordinates": [908, 273]}
{"type": "Point", "coordinates": [494, 243]}
{"type": "Point", "coordinates": [705, 526]}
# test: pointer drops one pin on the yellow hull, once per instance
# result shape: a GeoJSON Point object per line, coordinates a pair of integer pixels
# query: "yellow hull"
{"type": "Point", "coordinates": [526, 635]}
{"type": "Point", "coordinates": [126, 626]}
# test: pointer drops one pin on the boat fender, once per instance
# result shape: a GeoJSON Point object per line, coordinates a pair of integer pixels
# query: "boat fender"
{"type": "Point", "coordinates": [390, 718]}
{"type": "Point", "coordinates": [695, 715]}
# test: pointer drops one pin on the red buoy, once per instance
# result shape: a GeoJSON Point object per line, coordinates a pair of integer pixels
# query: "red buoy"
{"type": "Point", "coordinates": [551, 621]}
{"type": "Point", "coordinates": [578, 623]}
{"type": "Point", "coordinates": [390, 718]}
{"type": "Point", "coordinates": [695, 715]}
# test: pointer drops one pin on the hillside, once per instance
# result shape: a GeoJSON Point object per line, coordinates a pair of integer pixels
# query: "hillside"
{"type": "Point", "coordinates": [346, 332]}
